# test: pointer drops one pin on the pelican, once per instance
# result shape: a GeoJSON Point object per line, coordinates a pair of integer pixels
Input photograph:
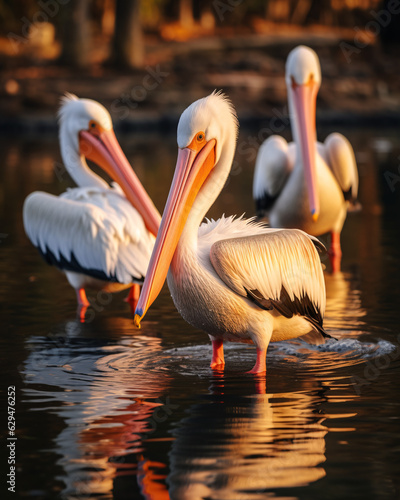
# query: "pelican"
{"type": "Point", "coordinates": [233, 278]}
{"type": "Point", "coordinates": [306, 184]}
{"type": "Point", "coordinates": [100, 236]}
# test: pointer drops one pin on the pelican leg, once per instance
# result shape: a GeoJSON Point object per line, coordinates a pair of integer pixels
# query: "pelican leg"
{"type": "Point", "coordinates": [83, 303]}
{"type": "Point", "coordinates": [217, 360]}
{"type": "Point", "coordinates": [133, 296]}
{"type": "Point", "coordinates": [260, 366]}
{"type": "Point", "coordinates": [335, 252]}
{"type": "Point", "coordinates": [81, 298]}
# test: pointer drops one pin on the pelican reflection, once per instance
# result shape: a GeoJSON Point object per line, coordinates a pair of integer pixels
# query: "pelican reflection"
{"type": "Point", "coordinates": [239, 445]}
{"type": "Point", "coordinates": [111, 397]}
{"type": "Point", "coordinates": [344, 309]}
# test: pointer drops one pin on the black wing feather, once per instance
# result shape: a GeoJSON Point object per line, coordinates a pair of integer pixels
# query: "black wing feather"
{"type": "Point", "coordinates": [289, 308]}
{"type": "Point", "coordinates": [265, 203]}
{"type": "Point", "coordinates": [73, 265]}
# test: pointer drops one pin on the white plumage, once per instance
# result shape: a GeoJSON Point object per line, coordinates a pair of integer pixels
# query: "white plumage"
{"type": "Point", "coordinates": [249, 255]}
{"type": "Point", "coordinates": [268, 262]}
{"type": "Point", "coordinates": [341, 160]}
{"type": "Point", "coordinates": [92, 228]}
{"type": "Point", "coordinates": [233, 278]}
{"type": "Point", "coordinates": [93, 233]}
{"type": "Point", "coordinates": [306, 184]}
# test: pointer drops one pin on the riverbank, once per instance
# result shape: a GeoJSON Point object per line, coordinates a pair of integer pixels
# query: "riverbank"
{"type": "Point", "coordinates": [358, 86]}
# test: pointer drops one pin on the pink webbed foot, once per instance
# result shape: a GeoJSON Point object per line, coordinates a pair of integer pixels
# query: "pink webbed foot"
{"type": "Point", "coordinates": [260, 366]}
{"type": "Point", "coordinates": [217, 360]}
{"type": "Point", "coordinates": [335, 252]}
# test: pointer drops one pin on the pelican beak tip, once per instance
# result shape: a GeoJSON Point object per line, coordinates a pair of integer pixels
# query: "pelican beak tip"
{"type": "Point", "coordinates": [314, 215]}
{"type": "Point", "coordinates": [136, 320]}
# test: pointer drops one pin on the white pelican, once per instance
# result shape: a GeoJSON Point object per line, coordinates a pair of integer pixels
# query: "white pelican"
{"type": "Point", "coordinates": [235, 279]}
{"type": "Point", "coordinates": [100, 236]}
{"type": "Point", "coordinates": [306, 184]}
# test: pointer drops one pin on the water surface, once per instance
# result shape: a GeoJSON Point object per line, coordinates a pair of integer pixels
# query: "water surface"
{"type": "Point", "coordinates": [107, 411]}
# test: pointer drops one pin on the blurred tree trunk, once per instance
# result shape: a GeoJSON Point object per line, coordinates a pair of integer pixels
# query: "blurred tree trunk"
{"type": "Point", "coordinates": [278, 10]}
{"type": "Point", "coordinates": [301, 12]}
{"type": "Point", "coordinates": [128, 47]}
{"type": "Point", "coordinates": [75, 33]}
{"type": "Point", "coordinates": [207, 17]}
{"type": "Point", "coordinates": [186, 13]}
{"type": "Point", "coordinates": [321, 12]}
{"type": "Point", "coordinates": [108, 18]}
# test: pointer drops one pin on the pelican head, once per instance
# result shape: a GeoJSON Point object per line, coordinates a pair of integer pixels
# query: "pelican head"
{"type": "Point", "coordinates": [213, 115]}
{"type": "Point", "coordinates": [207, 133]}
{"type": "Point", "coordinates": [303, 79]}
{"type": "Point", "coordinates": [302, 67]}
{"type": "Point", "coordinates": [86, 130]}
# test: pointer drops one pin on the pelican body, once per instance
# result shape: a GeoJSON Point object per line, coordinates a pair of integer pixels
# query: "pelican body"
{"type": "Point", "coordinates": [233, 278]}
{"type": "Point", "coordinates": [100, 236]}
{"type": "Point", "coordinates": [306, 184]}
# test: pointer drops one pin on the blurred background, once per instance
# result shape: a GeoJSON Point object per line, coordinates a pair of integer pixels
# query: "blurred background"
{"type": "Point", "coordinates": [147, 60]}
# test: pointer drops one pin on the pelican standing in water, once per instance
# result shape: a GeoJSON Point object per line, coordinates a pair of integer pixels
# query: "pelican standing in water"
{"type": "Point", "coordinates": [237, 280]}
{"type": "Point", "coordinates": [306, 184]}
{"type": "Point", "coordinates": [100, 236]}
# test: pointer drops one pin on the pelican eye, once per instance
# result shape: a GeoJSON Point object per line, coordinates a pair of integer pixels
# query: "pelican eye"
{"type": "Point", "coordinates": [92, 124]}
{"type": "Point", "coordinates": [200, 137]}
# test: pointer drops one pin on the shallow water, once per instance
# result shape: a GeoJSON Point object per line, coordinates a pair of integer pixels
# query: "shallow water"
{"type": "Point", "coordinates": [107, 411]}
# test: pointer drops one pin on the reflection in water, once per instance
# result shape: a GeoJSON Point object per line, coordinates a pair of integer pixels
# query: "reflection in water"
{"type": "Point", "coordinates": [235, 441]}
{"type": "Point", "coordinates": [344, 311]}
{"type": "Point", "coordinates": [110, 398]}
{"type": "Point", "coordinates": [252, 444]}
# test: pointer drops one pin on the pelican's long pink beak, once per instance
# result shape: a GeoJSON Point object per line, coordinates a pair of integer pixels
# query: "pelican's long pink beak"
{"type": "Point", "coordinates": [304, 97]}
{"type": "Point", "coordinates": [192, 169]}
{"type": "Point", "coordinates": [104, 150]}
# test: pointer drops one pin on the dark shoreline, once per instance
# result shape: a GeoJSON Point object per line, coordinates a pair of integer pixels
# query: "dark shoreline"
{"type": "Point", "coordinates": [36, 125]}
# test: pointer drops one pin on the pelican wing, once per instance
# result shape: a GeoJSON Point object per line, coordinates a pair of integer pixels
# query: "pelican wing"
{"type": "Point", "coordinates": [273, 167]}
{"type": "Point", "coordinates": [91, 231]}
{"type": "Point", "coordinates": [341, 160]}
{"type": "Point", "coordinates": [279, 269]}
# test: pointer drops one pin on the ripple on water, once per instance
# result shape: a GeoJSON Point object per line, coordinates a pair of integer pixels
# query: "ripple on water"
{"type": "Point", "coordinates": [70, 365]}
{"type": "Point", "coordinates": [333, 354]}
